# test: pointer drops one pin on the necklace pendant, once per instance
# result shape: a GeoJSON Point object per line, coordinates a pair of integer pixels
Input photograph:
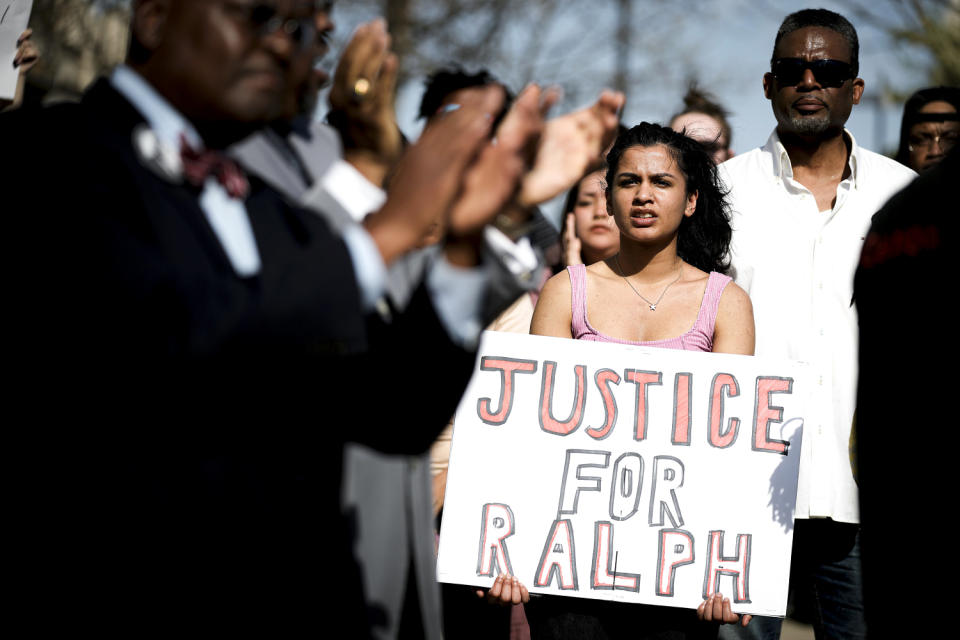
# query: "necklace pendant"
{"type": "Point", "coordinates": [653, 307]}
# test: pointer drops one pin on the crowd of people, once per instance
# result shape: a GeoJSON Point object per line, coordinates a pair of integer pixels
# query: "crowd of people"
{"type": "Point", "coordinates": [221, 311]}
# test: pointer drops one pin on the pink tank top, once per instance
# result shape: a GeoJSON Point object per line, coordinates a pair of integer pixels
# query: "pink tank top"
{"type": "Point", "coordinates": [698, 338]}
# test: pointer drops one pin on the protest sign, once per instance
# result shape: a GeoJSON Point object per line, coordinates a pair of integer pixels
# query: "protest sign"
{"type": "Point", "coordinates": [14, 16]}
{"type": "Point", "coordinates": [625, 473]}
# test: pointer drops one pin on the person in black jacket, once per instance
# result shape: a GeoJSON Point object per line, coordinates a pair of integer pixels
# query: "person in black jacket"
{"type": "Point", "coordinates": [190, 350]}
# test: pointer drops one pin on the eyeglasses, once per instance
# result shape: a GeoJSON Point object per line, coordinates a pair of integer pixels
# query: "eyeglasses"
{"type": "Point", "coordinates": [926, 141]}
{"type": "Point", "coordinates": [829, 73]}
{"type": "Point", "coordinates": [264, 19]}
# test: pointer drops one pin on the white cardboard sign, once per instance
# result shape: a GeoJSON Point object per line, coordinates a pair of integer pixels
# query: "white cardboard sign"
{"type": "Point", "coordinates": [625, 473]}
{"type": "Point", "coordinates": [14, 16]}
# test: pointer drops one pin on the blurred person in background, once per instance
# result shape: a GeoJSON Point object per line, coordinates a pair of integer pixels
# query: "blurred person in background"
{"type": "Point", "coordinates": [930, 127]}
{"type": "Point", "coordinates": [589, 233]}
{"type": "Point", "coordinates": [706, 121]}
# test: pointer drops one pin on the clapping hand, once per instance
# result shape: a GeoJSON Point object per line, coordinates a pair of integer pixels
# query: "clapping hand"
{"type": "Point", "coordinates": [431, 175]}
{"type": "Point", "coordinates": [362, 98]}
{"type": "Point", "coordinates": [571, 146]}
{"type": "Point", "coordinates": [493, 180]}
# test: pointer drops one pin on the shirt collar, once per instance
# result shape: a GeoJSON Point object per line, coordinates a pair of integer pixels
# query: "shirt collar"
{"type": "Point", "coordinates": [782, 168]}
{"type": "Point", "coordinates": [165, 121]}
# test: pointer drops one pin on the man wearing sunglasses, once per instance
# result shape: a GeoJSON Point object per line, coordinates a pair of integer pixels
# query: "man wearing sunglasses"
{"type": "Point", "coordinates": [802, 205]}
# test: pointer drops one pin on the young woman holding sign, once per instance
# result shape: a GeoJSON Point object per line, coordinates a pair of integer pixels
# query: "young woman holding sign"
{"type": "Point", "coordinates": [664, 288]}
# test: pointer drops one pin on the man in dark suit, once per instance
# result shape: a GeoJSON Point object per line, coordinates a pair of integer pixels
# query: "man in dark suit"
{"type": "Point", "coordinates": [192, 348]}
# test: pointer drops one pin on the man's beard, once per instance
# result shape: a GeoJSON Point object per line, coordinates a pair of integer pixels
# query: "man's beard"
{"type": "Point", "coordinates": [810, 125]}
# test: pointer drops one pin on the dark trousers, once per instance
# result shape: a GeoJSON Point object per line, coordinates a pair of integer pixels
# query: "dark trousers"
{"type": "Point", "coordinates": [825, 575]}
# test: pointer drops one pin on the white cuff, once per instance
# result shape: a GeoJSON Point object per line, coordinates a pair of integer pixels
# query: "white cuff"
{"type": "Point", "coordinates": [368, 265]}
{"type": "Point", "coordinates": [518, 257]}
{"type": "Point", "coordinates": [357, 195]}
{"type": "Point", "coordinates": [457, 296]}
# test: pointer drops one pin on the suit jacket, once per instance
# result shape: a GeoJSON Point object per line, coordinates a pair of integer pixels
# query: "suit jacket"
{"type": "Point", "coordinates": [185, 441]}
{"type": "Point", "coordinates": [377, 487]}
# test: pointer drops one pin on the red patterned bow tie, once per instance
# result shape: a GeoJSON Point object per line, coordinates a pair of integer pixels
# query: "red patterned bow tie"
{"type": "Point", "coordinates": [198, 165]}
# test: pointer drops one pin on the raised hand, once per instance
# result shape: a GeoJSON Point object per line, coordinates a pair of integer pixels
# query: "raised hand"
{"type": "Point", "coordinates": [431, 174]}
{"type": "Point", "coordinates": [362, 97]}
{"type": "Point", "coordinates": [493, 179]}
{"type": "Point", "coordinates": [571, 146]}
{"type": "Point", "coordinates": [570, 241]}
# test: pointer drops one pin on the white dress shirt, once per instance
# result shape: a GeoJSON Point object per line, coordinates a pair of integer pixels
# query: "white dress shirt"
{"type": "Point", "coordinates": [227, 216]}
{"type": "Point", "coordinates": [797, 264]}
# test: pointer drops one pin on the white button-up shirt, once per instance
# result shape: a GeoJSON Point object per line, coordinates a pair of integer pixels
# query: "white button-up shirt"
{"type": "Point", "coordinates": [797, 264]}
{"type": "Point", "coordinates": [227, 216]}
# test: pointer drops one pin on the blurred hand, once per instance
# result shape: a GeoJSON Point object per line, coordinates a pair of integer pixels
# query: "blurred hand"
{"type": "Point", "coordinates": [367, 123]}
{"type": "Point", "coordinates": [572, 145]}
{"type": "Point", "coordinates": [431, 174]}
{"type": "Point", "coordinates": [27, 53]}
{"type": "Point", "coordinates": [25, 59]}
{"type": "Point", "coordinates": [493, 179]}
{"type": "Point", "coordinates": [571, 243]}
{"type": "Point", "coordinates": [506, 591]}
{"type": "Point", "coordinates": [716, 608]}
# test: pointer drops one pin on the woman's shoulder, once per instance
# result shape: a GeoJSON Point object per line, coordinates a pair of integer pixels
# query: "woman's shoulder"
{"type": "Point", "coordinates": [557, 291]}
{"type": "Point", "coordinates": [558, 282]}
{"type": "Point", "coordinates": [734, 329]}
{"type": "Point", "coordinates": [733, 294]}
{"type": "Point", "coordinates": [552, 315]}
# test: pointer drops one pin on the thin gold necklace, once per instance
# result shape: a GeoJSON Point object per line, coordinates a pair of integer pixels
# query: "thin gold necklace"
{"type": "Point", "coordinates": [653, 305]}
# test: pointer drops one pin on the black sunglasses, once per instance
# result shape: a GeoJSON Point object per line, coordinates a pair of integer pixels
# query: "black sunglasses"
{"type": "Point", "coordinates": [829, 73]}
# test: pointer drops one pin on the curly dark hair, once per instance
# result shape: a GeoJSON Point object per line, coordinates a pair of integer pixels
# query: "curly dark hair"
{"type": "Point", "coordinates": [704, 238]}
{"type": "Point", "coordinates": [443, 82]}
